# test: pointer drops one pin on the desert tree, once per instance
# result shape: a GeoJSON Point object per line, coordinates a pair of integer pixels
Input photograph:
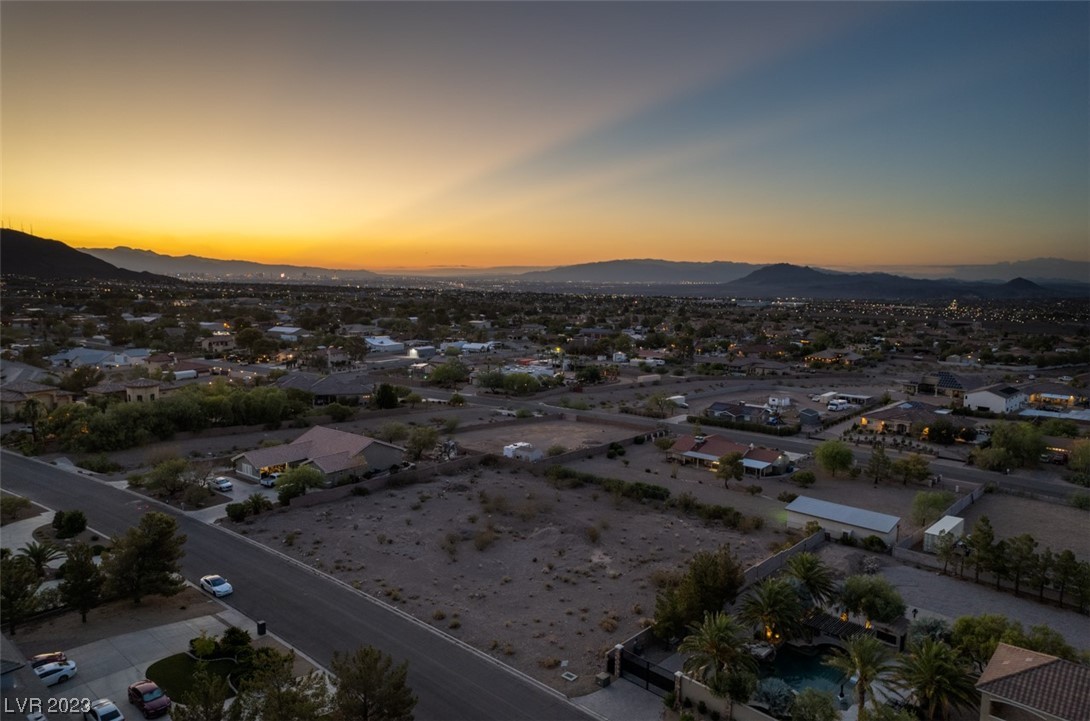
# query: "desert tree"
{"type": "Point", "coordinates": [370, 687]}
{"type": "Point", "coordinates": [145, 560]}
{"type": "Point", "coordinates": [82, 585]}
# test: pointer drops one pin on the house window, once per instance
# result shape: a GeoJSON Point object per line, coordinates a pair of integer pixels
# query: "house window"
{"type": "Point", "coordinates": [139, 397]}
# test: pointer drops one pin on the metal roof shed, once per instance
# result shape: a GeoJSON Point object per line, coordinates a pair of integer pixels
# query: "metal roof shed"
{"type": "Point", "coordinates": [946, 524]}
{"type": "Point", "coordinates": [843, 520]}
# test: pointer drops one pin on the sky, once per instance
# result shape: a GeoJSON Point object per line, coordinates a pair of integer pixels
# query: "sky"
{"type": "Point", "coordinates": [420, 134]}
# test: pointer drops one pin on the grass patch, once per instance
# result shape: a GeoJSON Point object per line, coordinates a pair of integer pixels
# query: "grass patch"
{"type": "Point", "coordinates": [174, 674]}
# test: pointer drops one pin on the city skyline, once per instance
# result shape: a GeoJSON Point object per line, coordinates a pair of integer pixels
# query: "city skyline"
{"type": "Point", "coordinates": [360, 135]}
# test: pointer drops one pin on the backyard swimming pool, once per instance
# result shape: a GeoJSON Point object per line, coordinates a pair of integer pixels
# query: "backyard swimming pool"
{"type": "Point", "coordinates": [803, 668]}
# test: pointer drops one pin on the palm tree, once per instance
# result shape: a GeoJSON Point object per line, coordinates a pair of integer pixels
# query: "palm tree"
{"type": "Point", "coordinates": [868, 660]}
{"type": "Point", "coordinates": [938, 676]}
{"type": "Point", "coordinates": [813, 575]}
{"type": "Point", "coordinates": [40, 554]}
{"type": "Point", "coordinates": [774, 606]}
{"type": "Point", "coordinates": [718, 656]}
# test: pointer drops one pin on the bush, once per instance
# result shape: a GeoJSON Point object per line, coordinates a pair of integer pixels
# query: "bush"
{"type": "Point", "coordinates": [360, 491]}
{"type": "Point", "coordinates": [12, 506]}
{"type": "Point", "coordinates": [69, 523]}
{"type": "Point", "coordinates": [195, 495]}
{"type": "Point", "coordinates": [237, 512]}
{"type": "Point", "coordinates": [100, 464]}
{"type": "Point", "coordinates": [874, 543]}
{"type": "Point", "coordinates": [754, 490]}
{"type": "Point", "coordinates": [787, 496]}
{"type": "Point", "coordinates": [803, 479]}
{"type": "Point", "coordinates": [1081, 501]}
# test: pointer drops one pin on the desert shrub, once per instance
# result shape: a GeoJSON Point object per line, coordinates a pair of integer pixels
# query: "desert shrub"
{"type": "Point", "coordinates": [195, 495]}
{"type": "Point", "coordinates": [338, 412]}
{"type": "Point", "coordinates": [12, 506]}
{"type": "Point", "coordinates": [69, 523]}
{"type": "Point", "coordinates": [551, 662]}
{"type": "Point", "coordinates": [203, 646]}
{"type": "Point", "coordinates": [237, 512]}
{"type": "Point", "coordinates": [593, 534]}
{"type": "Point", "coordinates": [803, 479]}
{"type": "Point", "coordinates": [100, 464]}
{"type": "Point", "coordinates": [450, 545]}
{"type": "Point", "coordinates": [485, 538]}
{"type": "Point", "coordinates": [874, 543]}
{"type": "Point", "coordinates": [556, 450]}
{"type": "Point", "coordinates": [360, 491]}
{"type": "Point", "coordinates": [787, 496]}
{"type": "Point", "coordinates": [753, 489]}
{"type": "Point", "coordinates": [608, 624]}
{"type": "Point", "coordinates": [638, 440]}
{"type": "Point", "coordinates": [1081, 501]}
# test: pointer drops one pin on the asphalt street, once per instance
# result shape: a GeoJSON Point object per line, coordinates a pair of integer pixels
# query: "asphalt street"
{"type": "Point", "coordinates": [310, 611]}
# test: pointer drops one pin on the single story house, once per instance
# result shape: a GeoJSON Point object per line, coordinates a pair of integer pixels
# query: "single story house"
{"type": "Point", "coordinates": [1050, 393]}
{"type": "Point", "coordinates": [729, 411]}
{"type": "Point", "coordinates": [901, 417]}
{"type": "Point", "coordinates": [383, 344]}
{"type": "Point", "coordinates": [707, 450]}
{"type": "Point", "coordinates": [1022, 685]}
{"type": "Point", "coordinates": [840, 520]}
{"type": "Point", "coordinates": [336, 454]}
{"type": "Point", "coordinates": [998, 398]}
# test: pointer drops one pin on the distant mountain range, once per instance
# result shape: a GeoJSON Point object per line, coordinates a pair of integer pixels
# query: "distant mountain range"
{"type": "Point", "coordinates": [29, 255]}
{"type": "Point", "coordinates": [196, 266]}
{"type": "Point", "coordinates": [25, 254]}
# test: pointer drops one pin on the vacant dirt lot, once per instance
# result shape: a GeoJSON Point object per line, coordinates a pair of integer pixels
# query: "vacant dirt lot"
{"type": "Point", "coordinates": [570, 435]}
{"type": "Point", "coordinates": [1052, 525]}
{"type": "Point", "coordinates": [502, 560]}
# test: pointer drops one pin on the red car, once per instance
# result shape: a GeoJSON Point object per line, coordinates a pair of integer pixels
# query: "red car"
{"type": "Point", "coordinates": [149, 698]}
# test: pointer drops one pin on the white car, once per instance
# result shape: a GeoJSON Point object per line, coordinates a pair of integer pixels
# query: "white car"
{"type": "Point", "coordinates": [216, 585]}
{"type": "Point", "coordinates": [103, 710]}
{"type": "Point", "coordinates": [270, 480]}
{"type": "Point", "coordinates": [56, 672]}
{"type": "Point", "coordinates": [221, 483]}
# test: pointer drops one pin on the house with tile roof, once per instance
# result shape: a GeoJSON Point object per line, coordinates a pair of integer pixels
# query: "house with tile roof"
{"type": "Point", "coordinates": [707, 450]}
{"type": "Point", "coordinates": [337, 454]}
{"type": "Point", "coordinates": [14, 396]}
{"type": "Point", "coordinates": [900, 418]}
{"type": "Point", "coordinates": [1022, 685]}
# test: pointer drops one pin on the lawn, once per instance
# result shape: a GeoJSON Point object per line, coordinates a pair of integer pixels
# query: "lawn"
{"type": "Point", "coordinates": [174, 674]}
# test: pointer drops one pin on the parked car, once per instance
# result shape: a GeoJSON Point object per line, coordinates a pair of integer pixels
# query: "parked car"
{"type": "Point", "coordinates": [56, 672]}
{"type": "Point", "coordinates": [216, 585]}
{"type": "Point", "coordinates": [149, 698]}
{"type": "Point", "coordinates": [50, 657]}
{"type": "Point", "coordinates": [103, 710]}
{"type": "Point", "coordinates": [270, 480]}
{"type": "Point", "coordinates": [221, 483]}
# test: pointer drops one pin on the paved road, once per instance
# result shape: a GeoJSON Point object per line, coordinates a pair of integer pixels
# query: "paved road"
{"type": "Point", "coordinates": [310, 611]}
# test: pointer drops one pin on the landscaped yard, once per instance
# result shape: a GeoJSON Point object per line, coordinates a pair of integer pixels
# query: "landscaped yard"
{"type": "Point", "coordinates": [174, 674]}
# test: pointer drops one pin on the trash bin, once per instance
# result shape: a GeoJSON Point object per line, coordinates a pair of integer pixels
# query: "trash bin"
{"type": "Point", "coordinates": [260, 628]}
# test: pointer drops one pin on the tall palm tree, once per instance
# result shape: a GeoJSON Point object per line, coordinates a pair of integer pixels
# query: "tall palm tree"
{"type": "Point", "coordinates": [813, 575]}
{"type": "Point", "coordinates": [869, 660]}
{"type": "Point", "coordinates": [938, 676]}
{"type": "Point", "coordinates": [40, 554]}
{"type": "Point", "coordinates": [774, 607]}
{"type": "Point", "coordinates": [718, 656]}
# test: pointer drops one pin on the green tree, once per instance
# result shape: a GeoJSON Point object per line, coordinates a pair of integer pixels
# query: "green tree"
{"type": "Point", "coordinates": [205, 700]}
{"type": "Point", "coordinates": [169, 477]}
{"type": "Point", "coordinates": [1022, 441]}
{"type": "Point", "coordinates": [1079, 458]}
{"type": "Point", "coordinates": [873, 597]}
{"type": "Point", "coordinates": [869, 661]}
{"type": "Point", "coordinates": [730, 466]}
{"type": "Point", "coordinates": [40, 554]}
{"type": "Point", "coordinates": [421, 440]}
{"type": "Point", "coordinates": [711, 580]}
{"type": "Point", "coordinates": [813, 576]}
{"type": "Point", "coordinates": [450, 374]}
{"type": "Point", "coordinates": [1021, 557]}
{"type": "Point", "coordinates": [774, 607]}
{"type": "Point", "coordinates": [145, 560]}
{"type": "Point", "coordinates": [939, 678]}
{"type": "Point", "coordinates": [392, 432]}
{"type": "Point", "coordinates": [82, 585]}
{"type": "Point", "coordinates": [717, 656]}
{"type": "Point", "coordinates": [369, 687]}
{"type": "Point", "coordinates": [1065, 570]}
{"type": "Point", "coordinates": [273, 693]}
{"type": "Point", "coordinates": [19, 584]}
{"type": "Point", "coordinates": [810, 704]}
{"type": "Point", "coordinates": [879, 464]}
{"type": "Point", "coordinates": [834, 456]}
{"type": "Point", "coordinates": [911, 469]}
{"type": "Point", "coordinates": [385, 396]}
{"type": "Point", "coordinates": [520, 384]}
{"type": "Point", "coordinates": [946, 548]}
{"type": "Point", "coordinates": [928, 506]}
{"type": "Point", "coordinates": [981, 547]}
{"type": "Point", "coordinates": [82, 378]}
{"type": "Point", "coordinates": [975, 637]}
